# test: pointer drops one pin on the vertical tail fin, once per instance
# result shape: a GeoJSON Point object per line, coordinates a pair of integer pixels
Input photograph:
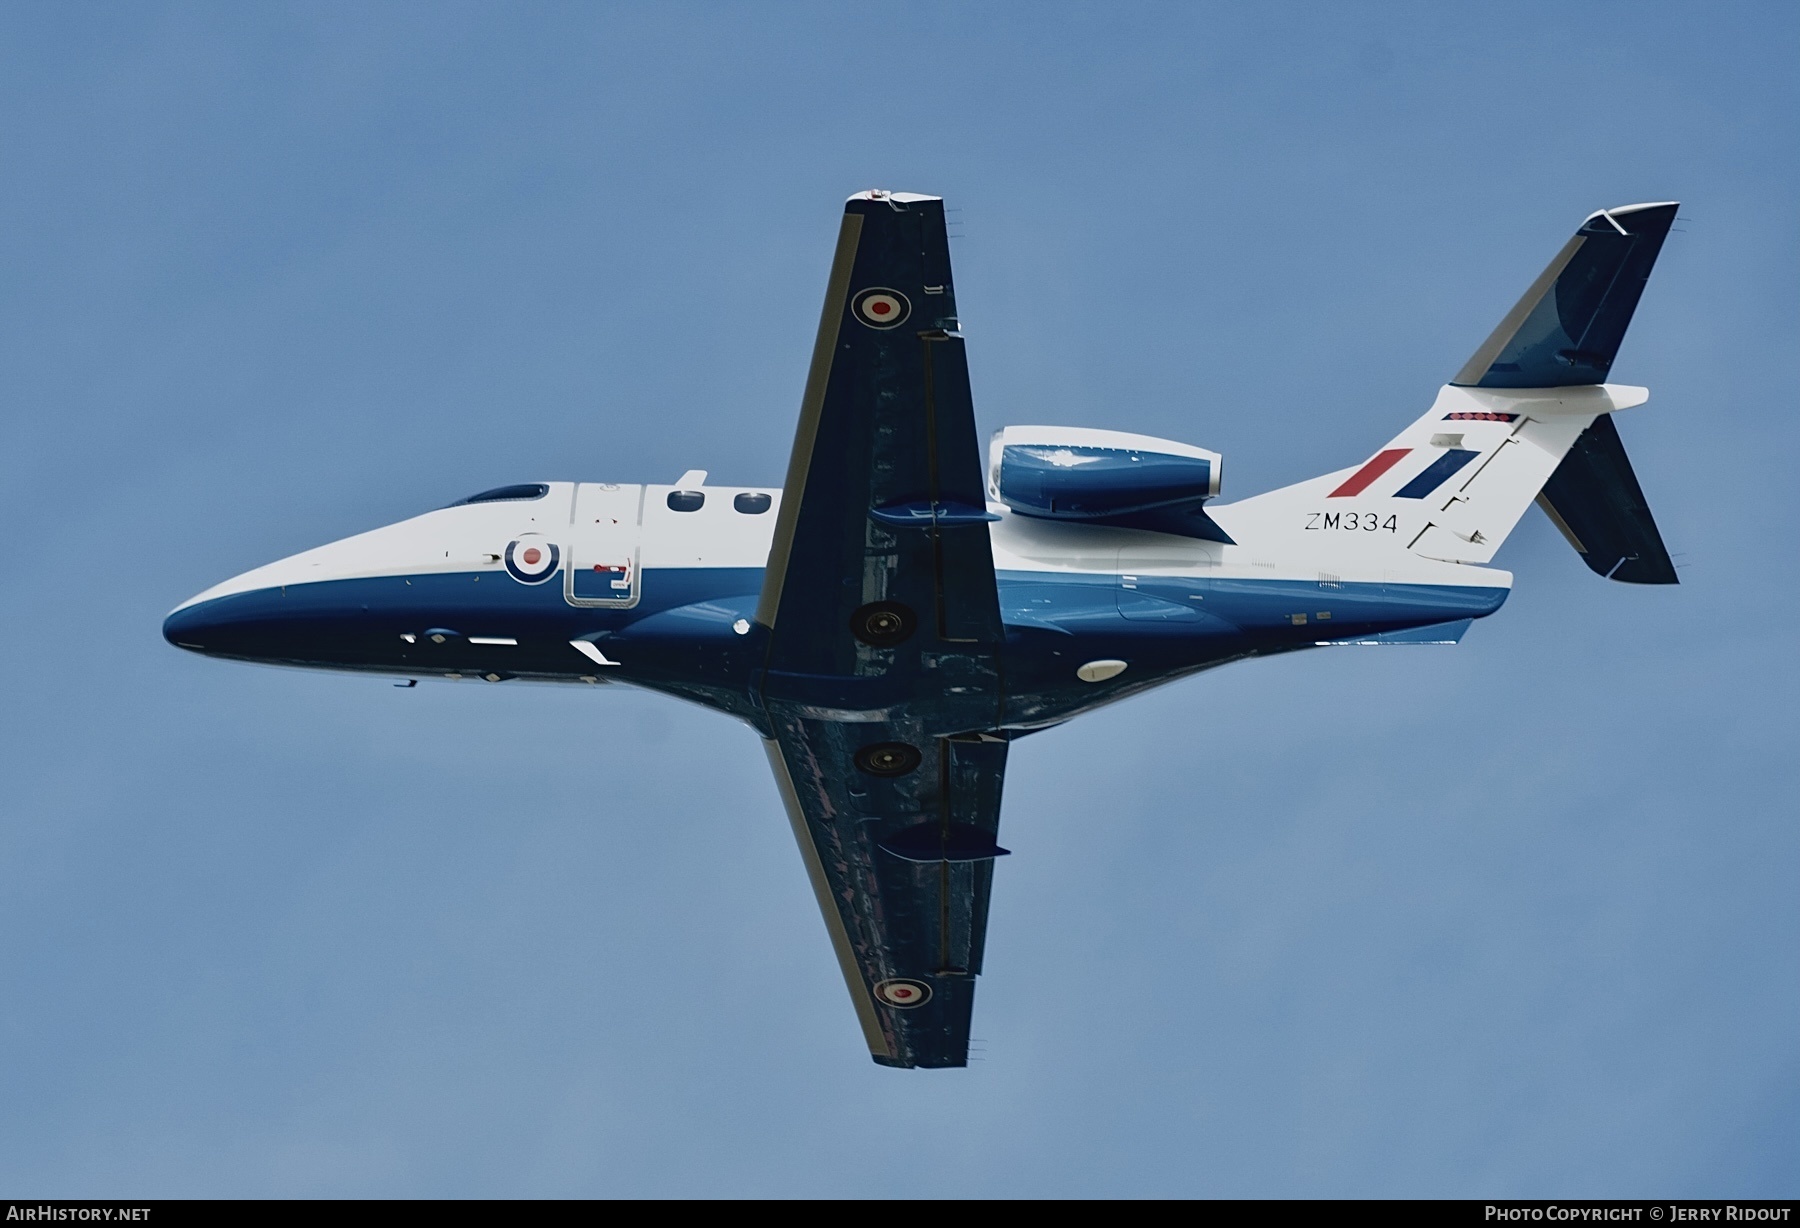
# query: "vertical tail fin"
{"type": "Point", "coordinates": [1451, 486]}
{"type": "Point", "coordinates": [1527, 414]}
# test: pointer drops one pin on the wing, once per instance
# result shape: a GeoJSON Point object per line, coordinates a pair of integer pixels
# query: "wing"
{"type": "Point", "coordinates": [903, 869]}
{"type": "Point", "coordinates": [884, 627]}
{"type": "Point", "coordinates": [884, 498]}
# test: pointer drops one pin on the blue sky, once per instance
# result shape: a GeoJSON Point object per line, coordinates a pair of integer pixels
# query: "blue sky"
{"type": "Point", "coordinates": [1515, 918]}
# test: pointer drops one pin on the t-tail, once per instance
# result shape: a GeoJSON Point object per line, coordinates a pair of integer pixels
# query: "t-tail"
{"type": "Point", "coordinates": [1529, 417]}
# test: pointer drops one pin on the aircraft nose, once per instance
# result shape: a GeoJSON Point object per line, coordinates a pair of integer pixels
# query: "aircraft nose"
{"type": "Point", "coordinates": [196, 627]}
{"type": "Point", "coordinates": [226, 621]}
{"type": "Point", "coordinates": [309, 625]}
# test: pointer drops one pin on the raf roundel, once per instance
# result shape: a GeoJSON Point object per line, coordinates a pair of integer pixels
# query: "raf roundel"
{"type": "Point", "coordinates": [531, 560]}
{"type": "Point", "coordinates": [903, 994]}
{"type": "Point", "coordinates": [881, 307]}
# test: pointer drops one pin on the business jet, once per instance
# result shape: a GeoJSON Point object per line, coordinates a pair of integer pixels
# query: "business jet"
{"type": "Point", "coordinates": [901, 609]}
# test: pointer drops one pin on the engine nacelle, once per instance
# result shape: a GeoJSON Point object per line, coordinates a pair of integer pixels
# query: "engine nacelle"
{"type": "Point", "coordinates": [1105, 477]}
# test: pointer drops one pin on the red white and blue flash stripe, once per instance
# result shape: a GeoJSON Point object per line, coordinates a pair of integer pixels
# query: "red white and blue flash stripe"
{"type": "Point", "coordinates": [1448, 463]}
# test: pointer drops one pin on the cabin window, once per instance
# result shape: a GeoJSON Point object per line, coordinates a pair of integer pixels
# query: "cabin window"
{"type": "Point", "coordinates": [686, 500]}
{"type": "Point", "coordinates": [752, 503]}
{"type": "Point", "coordinates": [508, 494]}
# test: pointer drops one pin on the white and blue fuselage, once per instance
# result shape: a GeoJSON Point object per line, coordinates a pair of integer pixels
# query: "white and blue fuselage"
{"type": "Point", "coordinates": [658, 586]}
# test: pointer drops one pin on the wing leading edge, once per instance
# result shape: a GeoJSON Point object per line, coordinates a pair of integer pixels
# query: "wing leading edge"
{"type": "Point", "coordinates": [884, 626]}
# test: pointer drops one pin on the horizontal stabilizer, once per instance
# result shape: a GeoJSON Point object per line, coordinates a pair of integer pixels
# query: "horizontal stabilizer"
{"type": "Point", "coordinates": [1594, 498]}
{"type": "Point", "coordinates": [1567, 328]}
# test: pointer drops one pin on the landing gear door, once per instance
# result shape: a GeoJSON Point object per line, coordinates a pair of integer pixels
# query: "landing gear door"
{"type": "Point", "coordinates": [603, 545]}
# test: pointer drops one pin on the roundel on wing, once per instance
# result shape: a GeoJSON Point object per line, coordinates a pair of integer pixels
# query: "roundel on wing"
{"type": "Point", "coordinates": [903, 994]}
{"type": "Point", "coordinates": [531, 559]}
{"type": "Point", "coordinates": [880, 307]}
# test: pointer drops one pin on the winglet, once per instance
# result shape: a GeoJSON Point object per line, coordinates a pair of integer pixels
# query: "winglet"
{"type": "Point", "coordinates": [1567, 328]}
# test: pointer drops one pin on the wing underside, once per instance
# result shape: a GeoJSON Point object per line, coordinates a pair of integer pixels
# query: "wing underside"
{"type": "Point", "coordinates": [903, 870]}
{"type": "Point", "coordinates": [882, 675]}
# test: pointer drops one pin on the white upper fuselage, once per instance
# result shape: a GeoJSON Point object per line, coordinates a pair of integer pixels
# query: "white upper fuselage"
{"type": "Point", "coordinates": [609, 523]}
